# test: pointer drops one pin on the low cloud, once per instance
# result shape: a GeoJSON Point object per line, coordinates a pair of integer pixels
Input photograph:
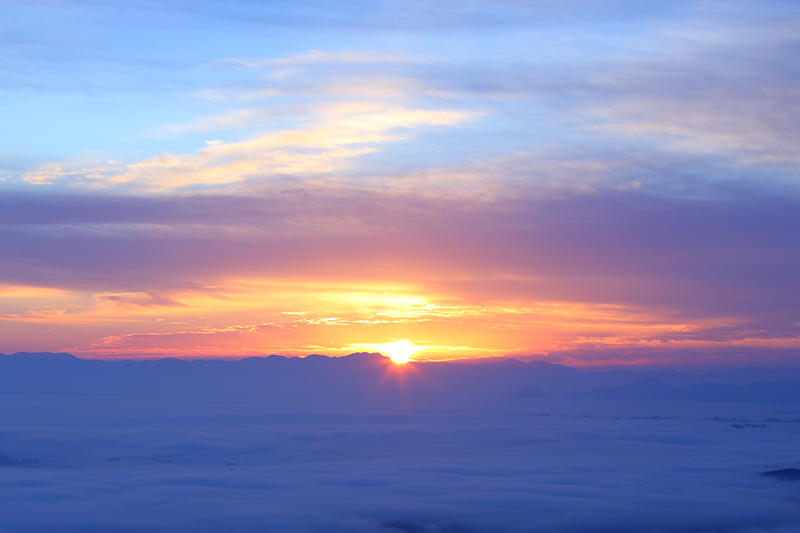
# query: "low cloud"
{"type": "Point", "coordinates": [146, 467]}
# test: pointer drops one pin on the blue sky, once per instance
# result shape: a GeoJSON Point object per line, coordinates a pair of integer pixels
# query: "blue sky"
{"type": "Point", "coordinates": [129, 80]}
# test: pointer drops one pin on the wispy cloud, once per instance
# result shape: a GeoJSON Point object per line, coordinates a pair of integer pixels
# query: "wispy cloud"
{"type": "Point", "coordinates": [341, 133]}
{"type": "Point", "coordinates": [316, 57]}
{"type": "Point", "coordinates": [230, 120]}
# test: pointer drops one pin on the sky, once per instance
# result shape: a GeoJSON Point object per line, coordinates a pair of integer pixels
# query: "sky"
{"type": "Point", "coordinates": [583, 182]}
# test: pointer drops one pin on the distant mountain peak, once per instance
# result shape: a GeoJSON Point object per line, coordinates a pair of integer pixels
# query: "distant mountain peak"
{"type": "Point", "coordinates": [366, 356]}
{"type": "Point", "coordinates": [44, 355]}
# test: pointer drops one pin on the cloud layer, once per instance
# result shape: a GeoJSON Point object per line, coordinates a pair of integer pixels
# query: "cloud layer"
{"type": "Point", "coordinates": [619, 269]}
{"type": "Point", "coordinates": [138, 466]}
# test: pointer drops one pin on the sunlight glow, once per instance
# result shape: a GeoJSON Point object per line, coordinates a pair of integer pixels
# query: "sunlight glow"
{"type": "Point", "coordinates": [399, 352]}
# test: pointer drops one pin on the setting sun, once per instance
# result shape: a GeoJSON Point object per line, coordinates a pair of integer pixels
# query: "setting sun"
{"type": "Point", "coordinates": [398, 351]}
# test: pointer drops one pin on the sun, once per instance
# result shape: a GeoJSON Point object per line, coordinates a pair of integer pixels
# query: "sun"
{"type": "Point", "coordinates": [398, 351]}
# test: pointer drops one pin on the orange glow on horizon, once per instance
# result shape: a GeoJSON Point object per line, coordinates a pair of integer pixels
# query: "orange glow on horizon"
{"type": "Point", "coordinates": [243, 317]}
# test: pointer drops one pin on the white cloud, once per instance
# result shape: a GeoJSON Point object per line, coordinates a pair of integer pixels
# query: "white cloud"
{"type": "Point", "coordinates": [316, 57]}
{"type": "Point", "coordinates": [337, 134]}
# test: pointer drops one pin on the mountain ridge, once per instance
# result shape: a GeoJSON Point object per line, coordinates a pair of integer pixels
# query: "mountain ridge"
{"type": "Point", "coordinates": [372, 377]}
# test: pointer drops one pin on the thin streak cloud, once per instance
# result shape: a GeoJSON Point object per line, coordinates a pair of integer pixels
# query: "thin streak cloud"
{"type": "Point", "coordinates": [344, 132]}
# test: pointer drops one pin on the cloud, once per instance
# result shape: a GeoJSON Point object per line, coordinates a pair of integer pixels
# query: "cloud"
{"type": "Point", "coordinates": [130, 464]}
{"type": "Point", "coordinates": [71, 171]}
{"type": "Point", "coordinates": [132, 300]}
{"type": "Point", "coordinates": [18, 291]}
{"type": "Point", "coordinates": [676, 99]}
{"type": "Point", "coordinates": [341, 133]}
{"type": "Point", "coordinates": [37, 316]}
{"type": "Point", "coordinates": [315, 57]}
{"type": "Point", "coordinates": [229, 120]}
{"type": "Point", "coordinates": [613, 269]}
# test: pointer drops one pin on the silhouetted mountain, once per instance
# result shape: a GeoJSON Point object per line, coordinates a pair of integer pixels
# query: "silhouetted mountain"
{"type": "Point", "coordinates": [44, 356]}
{"type": "Point", "coordinates": [368, 378]}
{"type": "Point", "coordinates": [751, 374]}
{"type": "Point", "coordinates": [784, 474]}
{"type": "Point", "coordinates": [652, 389]}
{"type": "Point", "coordinates": [529, 391]}
{"type": "Point", "coordinates": [645, 389]}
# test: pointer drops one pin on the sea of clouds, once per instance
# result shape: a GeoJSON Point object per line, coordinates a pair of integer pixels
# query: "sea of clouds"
{"type": "Point", "coordinates": [135, 462]}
